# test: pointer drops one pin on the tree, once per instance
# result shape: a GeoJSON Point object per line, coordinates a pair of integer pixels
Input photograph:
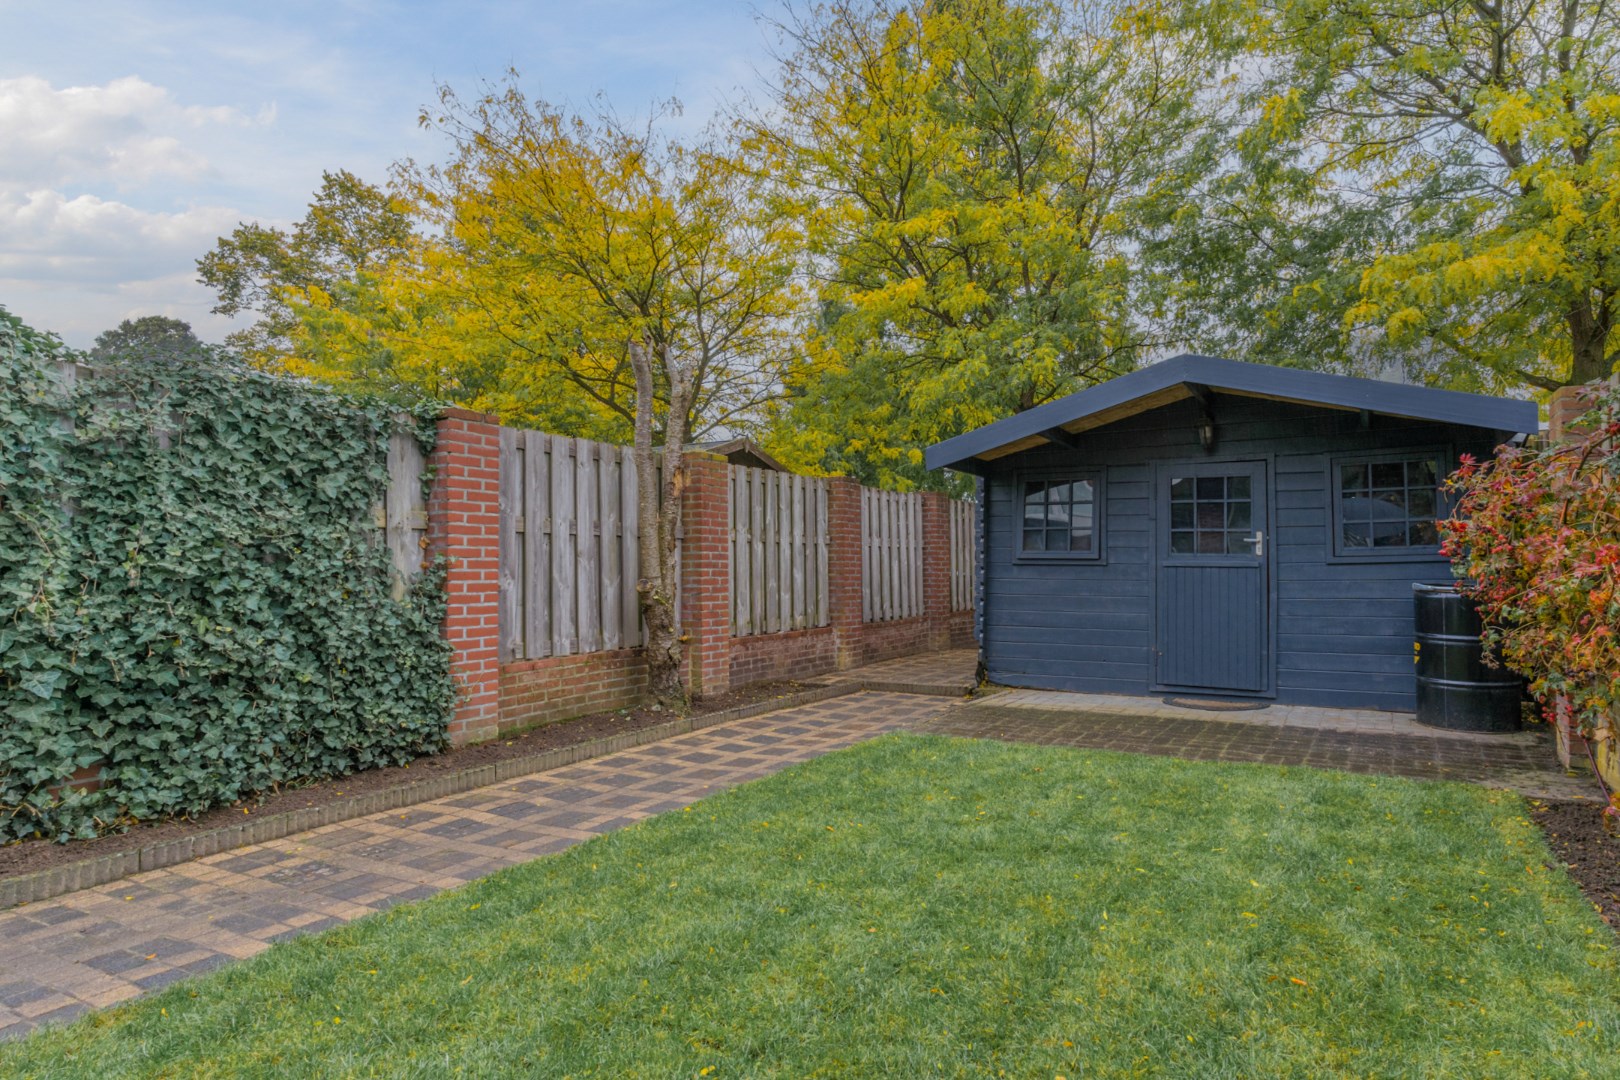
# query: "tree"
{"type": "Point", "coordinates": [1485, 131]}
{"type": "Point", "coordinates": [352, 229]}
{"type": "Point", "coordinates": [643, 273]}
{"type": "Point", "coordinates": [975, 173]}
{"type": "Point", "coordinates": [150, 337]}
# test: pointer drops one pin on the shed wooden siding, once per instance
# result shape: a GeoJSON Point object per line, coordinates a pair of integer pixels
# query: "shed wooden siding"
{"type": "Point", "coordinates": [1343, 629]}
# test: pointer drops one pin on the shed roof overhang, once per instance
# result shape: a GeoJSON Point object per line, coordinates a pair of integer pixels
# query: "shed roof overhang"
{"type": "Point", "coordinates": [1195, 377]}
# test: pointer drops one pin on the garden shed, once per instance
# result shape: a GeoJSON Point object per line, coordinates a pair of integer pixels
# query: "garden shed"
{"type": "Point", "coordinates": [1222, 529]}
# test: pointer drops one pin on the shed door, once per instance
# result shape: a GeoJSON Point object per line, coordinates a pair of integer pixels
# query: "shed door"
{"type": "Point", "coordinates": [1213, 619]}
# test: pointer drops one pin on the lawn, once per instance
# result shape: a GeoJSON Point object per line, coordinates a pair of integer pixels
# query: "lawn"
{"type": "Point", "coordinates": [927, 906]}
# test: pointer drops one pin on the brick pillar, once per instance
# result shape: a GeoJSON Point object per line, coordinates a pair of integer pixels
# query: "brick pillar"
{"type": "Point", "coordinates": [464, 527]}
{"type": "Point", "coordinates": [844, 570]}
{"type": "Point", "coordinates": [936, 555]}
{"type": "Point", "coordinates": [706, 573]}
{"type": "Point", "coordinates": [1563, 409]}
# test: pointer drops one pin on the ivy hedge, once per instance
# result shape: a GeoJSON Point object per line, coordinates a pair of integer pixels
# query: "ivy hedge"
{"type": "Point", "coordinates": [193, 595]}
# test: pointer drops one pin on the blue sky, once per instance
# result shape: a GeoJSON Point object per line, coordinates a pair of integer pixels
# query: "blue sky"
{"type": "Point", "coordinates": [135, 133]}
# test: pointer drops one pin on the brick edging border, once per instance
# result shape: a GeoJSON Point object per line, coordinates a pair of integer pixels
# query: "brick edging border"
{"type": "Point", "coordinates": [87, 873]}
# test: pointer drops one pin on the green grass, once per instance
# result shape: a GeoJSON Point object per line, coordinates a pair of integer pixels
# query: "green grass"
{"type": "Point", "coordinates": [925, 906]}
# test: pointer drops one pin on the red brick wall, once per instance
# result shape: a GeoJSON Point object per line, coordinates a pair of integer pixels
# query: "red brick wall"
{"type": "Point", "coordinates": [936, 544]}
{"type": "Point", "coordinates": [796, 654]}
{"type": "Point", "coordinates": [844, 569]}
{"type": "Point", "coordinates": [464, 528]}
{"type": "Point", "coordinates": [495, 698]}
{"type": "Point", "coordinates": [558, 687]}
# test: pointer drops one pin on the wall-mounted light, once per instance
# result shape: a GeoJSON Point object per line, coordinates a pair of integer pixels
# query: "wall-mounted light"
{"type": "Point", "coordinates": [1206, 433]}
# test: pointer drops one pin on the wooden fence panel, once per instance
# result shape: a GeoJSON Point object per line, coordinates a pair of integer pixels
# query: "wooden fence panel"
{"type": "Point", "coordinates": [570, 552]}
{"type": "Point", "coordinates": [536, 570]}
{"type": "Point", "coordinates": [631, 630]}
{"type": "Point", "coordinates": [742, 549]}
{"type": "Point", "coordinates": [511, 544]}
{"type": "Point", "coordinates": [609, 479]}
{"type": "Point", "coordinates": [778, 552]}
{"type": "Point", "coordinates": [404, 509]}
{"type": "Point", "coordinates": [588, 528]}
{"type": "Point", "coordinates": [891, 555]}
{"type": "Point", "coordinates": [962, 554]}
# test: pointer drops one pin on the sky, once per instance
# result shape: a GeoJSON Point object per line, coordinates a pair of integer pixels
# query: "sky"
{"type": "Point", "coordinates": [133, 134]}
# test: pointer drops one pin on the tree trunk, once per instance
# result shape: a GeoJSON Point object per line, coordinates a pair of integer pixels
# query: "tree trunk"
{"type": "Point", "coordinates": [1589, 342]}
{"type": "Point", "coordinates": [660, 521]}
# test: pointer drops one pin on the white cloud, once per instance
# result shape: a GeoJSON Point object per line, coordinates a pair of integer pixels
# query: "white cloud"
{"type": "Point", "coordinates": [124, 132]}
{"type": "Point", "coordinates": [89, 233]}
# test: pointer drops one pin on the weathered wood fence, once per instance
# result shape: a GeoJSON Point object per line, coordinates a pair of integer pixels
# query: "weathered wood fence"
{"type": "Point", "coordinates": [778, 552]}
{"type": "Point", "coordinates": [403, 516]}
{"type": "Point", "coordinates": [891, 555]}
{"type": "Point", "coordinates": [962, 554]}
{"type": "Point", "coordinates": [569, 557]}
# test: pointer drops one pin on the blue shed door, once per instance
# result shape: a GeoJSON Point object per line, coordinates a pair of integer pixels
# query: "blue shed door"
{"type": "Point", "coordinates": [1213, 620]}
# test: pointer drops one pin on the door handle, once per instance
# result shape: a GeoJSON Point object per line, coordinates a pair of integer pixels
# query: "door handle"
{"type": "Point", "coordinates": [1259, 542]}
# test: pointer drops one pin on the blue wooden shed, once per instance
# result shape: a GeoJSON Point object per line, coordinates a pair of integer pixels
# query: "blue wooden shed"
{"type": "Point", "coordinates": [1214, 528]}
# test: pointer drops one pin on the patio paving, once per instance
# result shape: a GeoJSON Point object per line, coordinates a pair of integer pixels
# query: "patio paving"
{"type": "Point", "coordinates": [1354, 721]}
{"type": "Point", "coordinates": [1523, 761]}
{"type": "Point", "coordinates": [103, 945]}
{"type": "Point", "coordinates": [952, 673]}
{"type": "Point", "coordinates": [99, 946]}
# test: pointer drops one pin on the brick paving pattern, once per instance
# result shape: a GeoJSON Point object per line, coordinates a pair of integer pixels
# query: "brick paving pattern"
{"type": "Point", "coordinates": [951, 671]}
{"type": "Point", "coordinates": [103, 945]}
{"type": "Point", "coordinates": [1355, 721]}
{"type": "Point", "coordinates": [1523, 762]}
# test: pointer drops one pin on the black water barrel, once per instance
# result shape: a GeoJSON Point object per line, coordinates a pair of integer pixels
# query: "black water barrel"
{"type": "Point", "coordinates": [1456, 688]}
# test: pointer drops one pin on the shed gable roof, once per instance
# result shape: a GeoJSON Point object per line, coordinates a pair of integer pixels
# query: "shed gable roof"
{"type": "Point", "coordinates": [1189, 376]}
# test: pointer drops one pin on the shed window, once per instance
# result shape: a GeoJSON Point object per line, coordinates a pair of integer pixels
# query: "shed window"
{"type": "Point", "coordinates": [1387, 505]}
{"type": "Point", "coordinates": [1060, 518]}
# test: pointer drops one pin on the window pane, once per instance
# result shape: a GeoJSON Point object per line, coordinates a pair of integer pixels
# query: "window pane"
{"type": "Point", "coordinates": [1080, 517]}
{"type": "Point", "coordinates": [1057, 540]}
{"type": "Point", "coordinates": [1211, 543]}
{"type": "Point", "coordinates": [1389, 474]}
{"type": "Point", "coordinates": [1352, 478]}
{"type": "Point", "coordinates": [1211, 515]}
{"type": "Point", "coordinates": [1034, 493]}
{"type": "Point", "coordinates": [1423, 534]}
{"type": "Point", "coordinates": [1034, 522]}
{"type": "Point", "coordinates": [1033, 540]}
{"type": "Point", "coordinates": [1421, 473]}
{"type": "Point", "coordinates": [1237, 487]}
{"type": "Point", "coordinates": [1212, 487]}
{"type": "Point", "coordinates": [1236, 545]}
{"type": "Point", "coordinates": [1080, 540]}
{"type": "Point", "coordinates": [1057, 514]}
{"type": "Point", "coordinates": [1420, 502]}
{"type": "Point", "coordinates": [1181, 487]}
{"type": "Point", "coordinates": [1389, 503]}
{"type": "Point", "coordinates": [1181, 515]}
{"type": "Point", "coordinates": [1357, 534]}
{"type": "Point", "coordinates": [1057, 494]}
{"type": "Point", "coordinates": [1237, 515]}
{"type": "Point", "coordinates": [1389, 533]}
{"type": "Point", "coordinates": [1181, 542]}
{"type": "Point", "coordinates": [1080, 492]}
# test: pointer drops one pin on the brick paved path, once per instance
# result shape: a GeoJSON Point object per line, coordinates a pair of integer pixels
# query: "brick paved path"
{"type": "Point", "coordinates": [92, 948]}
{"type": "Point", "coordinates": [1524, 763]}
{"type": "Point", "coordinates": [103, 945]}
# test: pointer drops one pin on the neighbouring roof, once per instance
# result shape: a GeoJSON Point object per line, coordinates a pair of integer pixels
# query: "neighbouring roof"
{"type": "Point", "coordinates": [742, 451]}
{"type": "Point", "coordinates": [1194, 376]}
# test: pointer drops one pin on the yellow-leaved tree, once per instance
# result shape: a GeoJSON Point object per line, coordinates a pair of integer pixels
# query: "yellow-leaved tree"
{"type": "Point", "coordinates": [1486, 133]}
{"type": "Point", "coordinates": [975, 175]}
{"type": "Point", "coordinates": [642, 275]}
